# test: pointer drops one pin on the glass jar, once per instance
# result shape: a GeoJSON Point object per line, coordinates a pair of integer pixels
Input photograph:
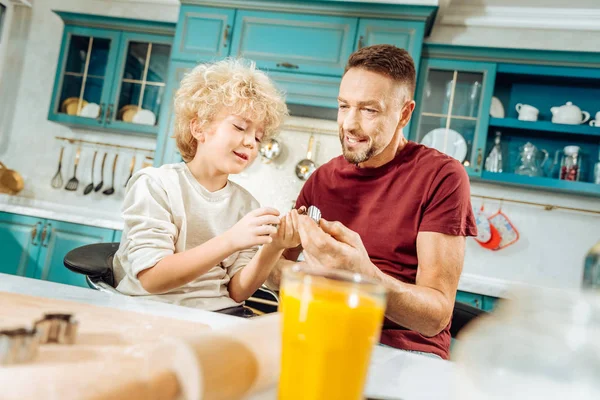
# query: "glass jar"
{"type": "Point", "coordinates": [541, 344]}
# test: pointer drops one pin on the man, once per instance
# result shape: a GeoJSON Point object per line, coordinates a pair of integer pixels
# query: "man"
{"type": "Point", "coordinates": [401, 210]}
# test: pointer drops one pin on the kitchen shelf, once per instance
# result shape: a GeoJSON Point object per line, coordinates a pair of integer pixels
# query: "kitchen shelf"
{"type": "Point", "coordinates": [585, 188]}
{"type": "Point", "coordinates": [545, 126]}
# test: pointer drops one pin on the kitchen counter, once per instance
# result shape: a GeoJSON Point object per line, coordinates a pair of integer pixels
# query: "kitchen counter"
{"type": "Point", "coordinates": [393, 374]}
{"type": "Point", "coordinates": [59, 212]}
{"type": "Point", "coordinates": [79, 215]}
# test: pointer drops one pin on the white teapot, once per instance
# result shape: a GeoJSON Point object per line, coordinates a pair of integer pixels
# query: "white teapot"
{"type": "Point", "coordinates": [569, 114]}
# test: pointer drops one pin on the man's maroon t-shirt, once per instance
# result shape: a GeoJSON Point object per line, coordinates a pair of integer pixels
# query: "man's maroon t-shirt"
{"type": "Point", "coordinates": [420, 190]}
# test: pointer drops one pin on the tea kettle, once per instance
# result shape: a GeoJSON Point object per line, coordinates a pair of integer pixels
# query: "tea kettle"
{"type": "Point", "coordinates": [569, 114]}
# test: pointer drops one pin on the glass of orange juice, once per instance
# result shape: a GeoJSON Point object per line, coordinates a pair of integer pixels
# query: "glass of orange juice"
{"type": "Point", "coordinates": [331, 322]}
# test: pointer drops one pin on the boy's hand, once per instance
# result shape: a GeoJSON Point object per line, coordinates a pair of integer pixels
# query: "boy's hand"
{"type": "Point", "coordinates": [254, 229]}
{"type": "Point", "coordinates": [287, 236]}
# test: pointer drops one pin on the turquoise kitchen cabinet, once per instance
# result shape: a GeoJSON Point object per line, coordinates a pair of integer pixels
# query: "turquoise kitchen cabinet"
{"type": "Point", "coordinates": [454, 97]}
{"type": "Point", "coordinates": [20, 236]}
{"type": "Point", "coordinates": [540, 78]}
{"type": "Point", "coordinates": [166, 149]}
{"type": "Point", "coordinates": [35, 247]}
{"type": "Point", "coordinates": [117, 236]}
{"type": "Point", "coordinates": [302, 43]}
{"type": "Point", "coordinates": [111, 73]}
{"type": "Point", "coordinates": [203, 33]}
{"type": "Point", "coordinates": [472, 299]}
{"type": "Point", "coordinates": [404, 34]}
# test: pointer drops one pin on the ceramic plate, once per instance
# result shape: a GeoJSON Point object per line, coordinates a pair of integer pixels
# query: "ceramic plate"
{"type": "Point", "coordinates": [91, 110]}
{"type": "Point", "coordinates": [496, 109]}
{"type": "Point", "coordinates": [144, 117]}
{"type": "Point", "coordinates": [447, 141]}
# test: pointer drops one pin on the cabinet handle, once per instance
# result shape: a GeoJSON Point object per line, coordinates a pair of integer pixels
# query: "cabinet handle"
{"type": "Point", "coordinates": [477, 303]}
{"type": "Point", "coordinates": [287, 65]}
{"type": "Point", "coordinates": [226, 35]}
{"type": "Point", "coordinates": [99, 119]}
{"type": "Point", "coordinates": [34, 234]}
{"type": "Point", "coordinates": [479, 157]}
{"type": "Point", "coordinates": [108, 114]}
{"type": "Point", "coordinates": [361, 42]}
{"type": "Point", "coordinates": [45, 232]}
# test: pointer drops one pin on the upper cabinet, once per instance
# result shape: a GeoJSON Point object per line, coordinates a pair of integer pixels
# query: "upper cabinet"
{"type": "Point", "coordinates": [301, 43]}
{"type": "Point", "coordinates": [407, 35]}
{"type": "Point", "coordinates": [452, 112]}
{"type": "Point", "coordinates": [203, 33]}
{"type": "Point", "coordinates": [513, 116]}
{"type": "Point", "coordinates": [111, 74]}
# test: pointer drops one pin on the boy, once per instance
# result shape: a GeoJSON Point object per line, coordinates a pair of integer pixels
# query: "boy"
{"type": "Point", "coordinates": [191, 235]}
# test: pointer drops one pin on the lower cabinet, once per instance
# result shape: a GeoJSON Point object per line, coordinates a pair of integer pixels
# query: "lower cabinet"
{"type": "Point", "coordinates": [35, 247]}
{"type": "Point", "coordinates": [483, 302]}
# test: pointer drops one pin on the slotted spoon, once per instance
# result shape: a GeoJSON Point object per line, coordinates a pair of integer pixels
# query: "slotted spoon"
{"type": "Point", "coordinates": [73, 182]}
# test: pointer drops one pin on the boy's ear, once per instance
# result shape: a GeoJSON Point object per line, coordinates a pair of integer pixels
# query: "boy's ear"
{"type": "Point", "coordinates": [196, 130]}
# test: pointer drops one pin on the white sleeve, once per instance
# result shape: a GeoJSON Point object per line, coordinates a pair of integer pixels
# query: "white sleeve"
{"type": "Point", "coordinates": [241, 261]}
{"type": "Point", "coordinates": [151, 233]}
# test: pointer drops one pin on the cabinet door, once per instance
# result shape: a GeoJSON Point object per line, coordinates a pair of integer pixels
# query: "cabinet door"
{"type": "Point", "coordinates": [475, 300]}
{"type": "Point", "coordinates": [203, 33]}
{"type": "Point", "coordinates": [57, 239]}
{"type": "Point", "coordinates": [139, 88]}
{"type": "Point", "coordinates": [404, 34]}
{"type": "Point", "coordinates": [20, 238]}
{"type": "Point", "coordinates": [301, 43]}
{"type": "Point", "coordinates": [84, 76]}
{"type": "Point", "coordinates": [166, 150]}
{"type": "Point", "coordinates": [452, 112]}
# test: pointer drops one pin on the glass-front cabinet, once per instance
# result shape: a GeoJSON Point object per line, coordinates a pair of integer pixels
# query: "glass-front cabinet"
{"type": "Point", "coordinates": [452, 115]}
{"type": "Point", "coordinates": [109, 77]}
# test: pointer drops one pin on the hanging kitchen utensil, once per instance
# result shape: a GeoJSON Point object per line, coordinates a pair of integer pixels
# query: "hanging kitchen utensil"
{"type": "Point", "coordinates": [111, 189]}
{"type": "Point", "coordinates": [508, 232]}
{"type": "Point", "coordinates": [148, 161]}
{"type": "Point", "coordinates": [57, 180]}
{"type": "Point", "coordinates": [99, 185]}
{"type": "Point", "coordinates": [306, 167]}
{"type": "Point", "coordinates": [73, 182]}
{"type": "Point", "coordinates": [130, 171]}
{"type": "Point", "coordinates": [90, 187]}
{"type": "Point", "coordinates": [11, 181]}
{"type": "Point", "coordinates": [269, 150]}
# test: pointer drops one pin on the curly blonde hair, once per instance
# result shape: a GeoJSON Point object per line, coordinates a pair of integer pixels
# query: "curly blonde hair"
{"type": "Point", "coordinates": [233, 83]}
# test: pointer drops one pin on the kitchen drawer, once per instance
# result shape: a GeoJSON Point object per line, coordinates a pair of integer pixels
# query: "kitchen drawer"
{"type": "Point", "coordinates": [475, 300]}
{"type": "Point", "coordinates": [310, 90]}
{"type": "Point", "coordinates": [301, 43]}
{"type": "Point", "coordinates": [203, 33]}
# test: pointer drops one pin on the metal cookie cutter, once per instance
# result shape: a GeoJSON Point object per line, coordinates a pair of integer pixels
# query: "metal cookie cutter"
{"type": "Point", "coordinates": [314, 213]}
{"type": "Point", "coordinates": [57, 328]}
{"type": "Point", "coordinates": [18, 345]}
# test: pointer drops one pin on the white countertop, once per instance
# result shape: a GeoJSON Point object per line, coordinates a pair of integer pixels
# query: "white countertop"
{"type": "Point", "coordinates": [393, 374]}
{"type": "Point", "coordinates": [78, 215]}
{"type": "Point", "coordinates": [60, 212]}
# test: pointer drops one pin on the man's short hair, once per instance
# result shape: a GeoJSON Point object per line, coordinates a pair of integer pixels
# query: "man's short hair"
{"type": "Point", "coordinates": [388, 60]}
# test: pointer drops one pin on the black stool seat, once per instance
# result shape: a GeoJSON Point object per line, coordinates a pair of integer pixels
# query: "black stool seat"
{"type": "Point", "coordinates": [93, 260]}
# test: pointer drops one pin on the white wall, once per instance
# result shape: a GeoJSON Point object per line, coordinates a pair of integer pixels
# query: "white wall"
{"type": "Point", "coordinates": [552, 243]}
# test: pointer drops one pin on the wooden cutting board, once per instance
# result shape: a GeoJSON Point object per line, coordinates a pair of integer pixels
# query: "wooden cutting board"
{"type": "Point", "coordinates": [97, 325]}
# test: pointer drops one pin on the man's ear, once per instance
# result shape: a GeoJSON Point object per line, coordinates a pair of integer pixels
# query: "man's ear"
{"type": "Point", "coordinates": [196, 130]}
{"type": "Point", "coordinates": [407, 111]}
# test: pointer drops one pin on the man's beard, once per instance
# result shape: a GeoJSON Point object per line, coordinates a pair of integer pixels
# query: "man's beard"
{"type": "Point", "coordinates": [357, 157]}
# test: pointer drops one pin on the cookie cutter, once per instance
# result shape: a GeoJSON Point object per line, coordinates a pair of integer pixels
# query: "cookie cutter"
{"type": "Point", "coordinates": [18, 345]}
{"type": "Point", "coordinates": [57, 328]}
{"type": "Point", "coordinates": [314, 213]}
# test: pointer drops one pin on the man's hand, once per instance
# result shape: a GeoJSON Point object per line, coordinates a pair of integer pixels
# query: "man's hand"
{"type": "Point", "coordinates": [333, 246]}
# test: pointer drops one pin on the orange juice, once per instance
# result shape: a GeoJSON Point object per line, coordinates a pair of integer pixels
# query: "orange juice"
{"type": "Point", "coordinates": [329, 330]}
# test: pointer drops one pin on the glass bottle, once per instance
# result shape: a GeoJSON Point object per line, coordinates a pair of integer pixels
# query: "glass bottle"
{"type": "Point", "coordinates": [493, 162]}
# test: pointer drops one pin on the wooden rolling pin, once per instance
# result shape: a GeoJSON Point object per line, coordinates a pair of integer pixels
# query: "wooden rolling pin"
{"type": "Point", "coordinates": [213, 365]}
